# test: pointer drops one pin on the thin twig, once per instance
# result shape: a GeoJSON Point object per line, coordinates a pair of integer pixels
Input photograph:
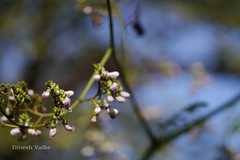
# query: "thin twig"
{"type": "Point", "coordinates": [134, 102]}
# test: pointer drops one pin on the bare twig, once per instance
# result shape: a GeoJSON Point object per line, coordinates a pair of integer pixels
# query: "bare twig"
{"type": "Point", "coordinates": [134, 102]}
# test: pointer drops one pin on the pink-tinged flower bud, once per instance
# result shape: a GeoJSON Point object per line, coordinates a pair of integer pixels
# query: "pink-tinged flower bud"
{"type": "Point", "coordinates": [110, 98]}
{"type": "Point", "coordinates": [114, 74]}
{"type": "Point", "coordinates": [120, 99]}
{"type": "Point", "coordinates": [124, 94]}
{"type": "Point", "coordinates": [97, 77]}
{"type": "Point", "coordinates": [52, 132]}
{"type": "Point", "coordinates": [87, 10]}
{"type": "Point", "coordinates": [34, 132]}
{"type": "Point", "coordinates": [69, 93]}
{"type": "Point", "coordinates": [15, 131]}
{"type": "Point", "coordinates": [69, 127]}
{"type": "Point", "coordinates": [46, 94]}
{"type": "Point", "coordinates": [66, 102]}
{"type": "Point", "coordinates": [3, 119]}
{"type": "Point", "coordinates": [114, 86]}
{"type": "Point", "coordinates": [30, 92]}
{"type": "Point", "coordinates": [97, 110]}
{"type": "Point", "coordinates": [94, 119]}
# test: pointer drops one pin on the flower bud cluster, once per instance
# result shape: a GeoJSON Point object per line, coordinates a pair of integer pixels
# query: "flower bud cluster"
{"type": "Point", "coordinates": [62, 104]}
{"type": "Point", "coordinates": [19, 94]}
{"type": "Point", "coordinates": [110, 90]}
{"type": "Point", "coordinates": [22, 132]}
{"type": "Point", "coordinates": [57, 117]}
{"type": "Point", "coordinates": [25, 127]}
{"type": "Point", "coordinates": [61, 97]}
{"type": "Point", "coordinates": [18, 104]}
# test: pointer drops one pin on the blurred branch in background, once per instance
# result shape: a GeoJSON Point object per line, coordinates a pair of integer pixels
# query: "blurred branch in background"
{"type": "Point", "coordinates": [134, 102]}
{"type": "Point", "coordinates": [168, 135]}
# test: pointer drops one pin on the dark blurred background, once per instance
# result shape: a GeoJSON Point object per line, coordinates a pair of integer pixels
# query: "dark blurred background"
{"type": "Point", "coordinates": [188, 51]}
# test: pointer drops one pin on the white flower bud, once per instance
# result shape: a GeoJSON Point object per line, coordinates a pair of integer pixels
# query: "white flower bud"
{"type": "Point", "coordinates": [97, 77]}
{"type": "Point", "coordinates": [30, 92]}
{"type": "Point", "coordinates": [52, 132]}
{"type": "Point", "coordinates": [114, 74]}
{"type": "Point", "coordinates": [87, 10]}
{"type": "Point", "coordinates": [69, 127]}
{"type": "Point", "coordinates": [114, 86]}
{"type": "Point", "coordinates": [110, 98]}
{"type": "Point", "coordinates": [38, 132]}
{"type": "Point", "coordinates": [31, 131]}
{"type": "Point", "coordinates": [26, 124]}
{"type": "Point", "coordinates": [11, 98]}
{"type": "Point", "coordinates": [15, 131]}
{"type": "Point", "coordinates": [97, 110]}
{"type": "Point", "coordinates": [34, 132]}
{"type": "Point", "coordinates": [124, 94]}
{"type": "Point", "coordinates": [69, 93]}
{"type": "Point", "coordinates": [46, 94]}
{"type": "Point", "coordinates": [3, 119]}
{"type": "Point", "coordinates": [7, 111]}
{"type": "Point", "coordinates": [70, 109]}
{"type": "Point", "coordinates": [120, 99]}
{"type": "Point", "coordinates": [94, 119]}
{"type": "Point", "coordinates": [66, 102]}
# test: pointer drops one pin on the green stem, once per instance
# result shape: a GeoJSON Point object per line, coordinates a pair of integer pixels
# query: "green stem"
{"type": "Point", "coordinates": [89, 84]}
{"type": "Point", "coordinates": [8, 125]}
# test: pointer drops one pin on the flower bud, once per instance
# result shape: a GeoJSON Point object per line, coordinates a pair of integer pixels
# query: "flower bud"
{"type": "Point", "coordinates": [52, 132]}
{"type": "Point", "coordinates": [114, 86]}
{"type": "Point", "coordinates": [26, 124]}
{"type": "Point", "coordinates": [34, 132]}
{"type": "Point", "coordinates": [66, 102]}
{"type": "Point", "coordinates": [69, 109]}
{"type": "Point", "coordinates": [87, 10]}
{"type": "Point", "coordinates": [11, 98]}
{"type": "Point", "coordinates": [15, 131]}
{"type": "Point", "coordinates": [30, 92]}
{"type": "Point", "coordinates": [69, 127]}
{"type": "Point", "coordinates": [69, 93]}
{"type": "Point", "coordinates": [3, 119]}
{"type": "Point", "coordinates": [114, 74]}
{"type": "Point", "coordinates": [97, 77]}
{"type": "Point", "coordinates": [94, 119]}
{"type": "Point", "coordinates": [124, 94]}
{"type": "Point", "coordinates": [110, 98]}
{"type": "Point", "coordinates": [46, 94]}
{"type": "Point", "coordinates": [120, 99]}
{"type": "Point", "coordinates": [97, 110]}
{"type": "Point", "coordinates": [113, 113]}
{"type": "Point", "coordinates": [7, 111]}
